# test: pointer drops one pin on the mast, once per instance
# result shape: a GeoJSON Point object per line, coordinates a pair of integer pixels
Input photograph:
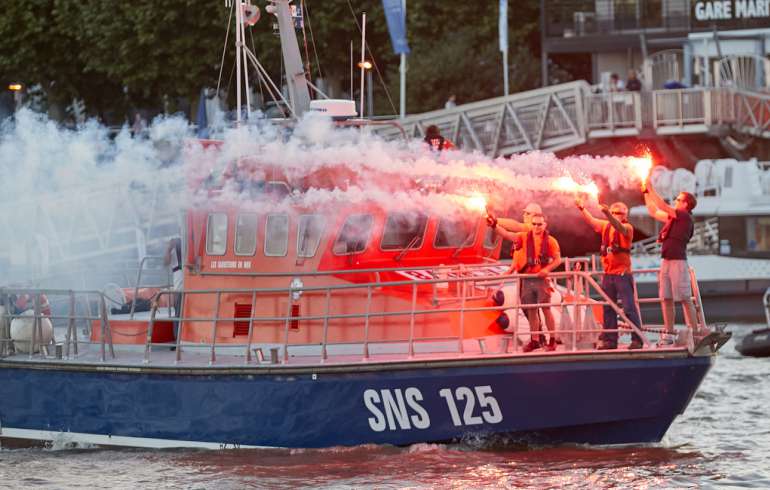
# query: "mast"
{"type": "Point", "coordinates": [299, 94]}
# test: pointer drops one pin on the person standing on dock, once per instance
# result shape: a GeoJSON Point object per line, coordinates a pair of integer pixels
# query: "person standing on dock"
{"type": "Point", "coordinates": [674, 280]}
{"type": "Point", "coordinates": [618, 280]}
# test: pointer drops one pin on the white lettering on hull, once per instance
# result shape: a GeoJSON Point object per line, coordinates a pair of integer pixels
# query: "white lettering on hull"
{"type": "Point", "coordinates": [396, 409]}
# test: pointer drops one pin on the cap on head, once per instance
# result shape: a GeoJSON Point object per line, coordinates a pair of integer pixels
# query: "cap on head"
{"type": "Point", "coordinates": [533, 209]}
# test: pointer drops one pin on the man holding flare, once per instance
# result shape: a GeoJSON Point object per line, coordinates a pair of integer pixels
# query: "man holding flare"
{"type": "Point", "coordinates": [618, 280]}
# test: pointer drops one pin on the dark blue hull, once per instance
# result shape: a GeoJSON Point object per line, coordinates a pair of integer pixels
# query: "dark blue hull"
{"type": "Point", "coordinates": [600, 401]}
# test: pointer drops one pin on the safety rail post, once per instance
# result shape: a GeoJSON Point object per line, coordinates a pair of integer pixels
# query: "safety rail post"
{"type": "Point", "coordinates": [575, 313]}
{"type": "Point", "coordinates": [251, 325]}
{"type": "Point", "coordinates": [366, 321]}
{"type": "Point", "coordinates": [107, 328]}
{"type": "Point", "coordinates": [680, 106]}
{"type": "Point", "coordinates": [213, 354]}
{"type": "Point", "coordinates": [516, 316]}
{"type": "Point", "coordinates": [462, 316]}
{"type": "Point", "coordinates": [102, 328]}
{"type": "Point", "coordinates": [5, 331]}
{"type": "Point", "coordinates": [286, 327]}
{"type": "Point", "coordinates": [150, 328]}
{"type": "Point", "coordinates": [411, 319]}
{"type": "Point", "coordinates": [136, 286]}
{"type": "Point", "coordinates": [179, 321]}
{"type": "Point", "coordinates": [324, 354]}
{"type": "Point", "coordinates": [698, 301]}
{"type": "Point", "coordinates": [71, 328]}
{"type": "Point", "coordinates": [37, 332]}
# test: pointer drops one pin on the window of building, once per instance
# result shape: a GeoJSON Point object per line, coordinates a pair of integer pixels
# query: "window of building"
{"type": "Point", "coordinates": [354, 235]}
{"type": "Point", "coordinates": [309, 234]}
{"type": "Point", "coordinates": [454, 233]}
{"type": "Point", "coordinates": [758, 234]}
{"type": "Point", "coordinates": [404, 230]}
{"type": "Point", "coordinates": [246, 234]}
{"type": "Point", "coordinates": [216, 234]}
{"type": "Point", "coordinates": [276, 235]}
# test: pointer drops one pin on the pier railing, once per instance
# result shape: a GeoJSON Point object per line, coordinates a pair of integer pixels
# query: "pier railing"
{"type": "Point", "coordinates": [464, 301]}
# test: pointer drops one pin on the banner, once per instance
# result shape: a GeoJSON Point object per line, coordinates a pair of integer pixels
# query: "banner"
{"type": "Point", "coordinates": [396, 18]}
{"type": "Point", "coordinates": [502, 25]}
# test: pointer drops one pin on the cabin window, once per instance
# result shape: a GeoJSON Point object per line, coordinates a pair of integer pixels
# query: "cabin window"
{"type": "Point", "coordinates": [309, 234]}
{"type": "Point", "coordinates": [277, 235]}
{"type": "Point", "coordinates": [491, 238]}
{"type": "Point", "coordinates": [404, 230]}
{"type": "Point", "coordinates": [246, 234]}
{"type": "Point", "coordinates": [454, 233]}
{"type": "Point", "coordinates": [216, 234]}
{"type": "Point", "coordinates": [354, 234]}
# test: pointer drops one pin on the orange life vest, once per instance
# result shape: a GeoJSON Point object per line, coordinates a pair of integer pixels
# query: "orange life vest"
{"type": "Point", "coordinates": [525, 259]}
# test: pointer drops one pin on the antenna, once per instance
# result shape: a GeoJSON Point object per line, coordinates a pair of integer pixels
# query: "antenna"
{"type": "Point", "coordinates": [363, 59]}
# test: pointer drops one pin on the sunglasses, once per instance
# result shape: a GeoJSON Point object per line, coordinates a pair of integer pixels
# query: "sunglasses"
{"type": "Point", "coordinates": [538, 224]}
{"type": "Point", "coordinates": [618, 213]}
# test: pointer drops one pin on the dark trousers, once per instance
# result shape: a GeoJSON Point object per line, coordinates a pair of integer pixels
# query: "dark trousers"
{"type": "Point", "coordinates": [620, 288]}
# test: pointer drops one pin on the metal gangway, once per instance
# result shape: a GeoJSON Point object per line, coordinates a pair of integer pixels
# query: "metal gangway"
{"type": "Point", "coordinates": [570, 114]}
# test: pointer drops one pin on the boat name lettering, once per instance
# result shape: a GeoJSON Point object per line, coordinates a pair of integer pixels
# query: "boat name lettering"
{"type": "Point", "coordinates": [397, 409]}
{"type": "Point", "coordinates": [231, 264]}
{"type": "Point", "coordinates": [490, 410]}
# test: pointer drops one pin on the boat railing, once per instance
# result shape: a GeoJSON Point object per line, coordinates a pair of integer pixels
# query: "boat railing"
{"type": "Point", "coordinates": [581, 293]}
{"type": "Point", "coordinates": [138, 283]}
{"type": "Point", "coordinates": [85, 301]}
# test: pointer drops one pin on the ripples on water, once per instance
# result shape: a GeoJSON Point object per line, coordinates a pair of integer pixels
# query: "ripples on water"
{"type": "Point", "coordinates": [723, 440]}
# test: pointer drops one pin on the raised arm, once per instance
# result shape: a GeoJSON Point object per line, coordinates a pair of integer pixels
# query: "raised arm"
{"type": "Point", "coordinates": [508, 235]}
{"type": "Point", "coordinates": [596, 224]}
{"type": "Point", "coordinates": [624, 230]}
{"type": "Point", "coordinates": [511, 224]}
{"type": "Point", "coordinates": [656, 206]}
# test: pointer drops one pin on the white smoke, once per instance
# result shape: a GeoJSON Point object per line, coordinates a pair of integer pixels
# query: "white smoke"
{"type": "Point", "coordinates": [66, 191]}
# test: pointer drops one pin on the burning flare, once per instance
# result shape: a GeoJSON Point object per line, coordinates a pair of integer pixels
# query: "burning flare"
{"type": "Point", "coordinates": [477, 202]}
{"type": "Point", "coordinates": [641, 166]}
{"type": "Point", "coordinates": [567, 184]}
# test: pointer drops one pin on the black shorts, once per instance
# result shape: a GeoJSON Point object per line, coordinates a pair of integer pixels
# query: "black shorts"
{"type": "Point", "coordinates": [534, 291]}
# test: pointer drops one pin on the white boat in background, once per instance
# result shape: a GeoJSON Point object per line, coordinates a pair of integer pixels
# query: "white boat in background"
{"type": "Point", "coordinates": [730, 248]}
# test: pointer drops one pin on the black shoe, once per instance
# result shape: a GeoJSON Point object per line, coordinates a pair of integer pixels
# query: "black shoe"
{"type": "Point", "coordinates": [602, 345]}
{"type": "Point", "coordinates": [635, 344]}
{"type": "Point", "coordinates": [551, 346]}
{"type": "Point", "coordinates": [532, 345]}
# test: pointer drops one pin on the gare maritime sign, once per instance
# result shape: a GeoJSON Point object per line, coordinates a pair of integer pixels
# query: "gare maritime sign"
{"type": "Point", "coordinates": [731, 9]}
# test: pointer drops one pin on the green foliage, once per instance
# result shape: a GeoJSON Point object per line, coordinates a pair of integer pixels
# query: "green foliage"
{"type": "Point", "coordinates": [121, 55]}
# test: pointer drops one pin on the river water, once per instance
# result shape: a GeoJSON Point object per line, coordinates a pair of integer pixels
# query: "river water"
{"type": "Point", "coordinates": [723, 440]}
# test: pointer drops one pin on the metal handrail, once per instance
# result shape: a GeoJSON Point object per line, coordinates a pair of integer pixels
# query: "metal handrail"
{"type": "Point", "coordinates": [576, 281]}
{"type": "Point", "coordinates": [139, 280]}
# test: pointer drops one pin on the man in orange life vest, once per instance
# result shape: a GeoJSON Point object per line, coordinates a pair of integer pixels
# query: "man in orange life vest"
{"type": "Point", "coordinates": [503, 225]}
{"type": "Point", "coordinates": [535, 252]}
{"type": "Point", "coordinates": [618, 281]}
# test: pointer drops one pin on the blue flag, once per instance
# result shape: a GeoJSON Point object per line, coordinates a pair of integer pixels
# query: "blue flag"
{"type": "Point", "coordinates": [502, 25]}
{"type": "Point", "coordinates": [396, 18]}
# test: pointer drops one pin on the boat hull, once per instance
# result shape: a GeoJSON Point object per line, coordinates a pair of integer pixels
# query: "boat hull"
{"type": "Point", "coordinates": [598, 400]}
